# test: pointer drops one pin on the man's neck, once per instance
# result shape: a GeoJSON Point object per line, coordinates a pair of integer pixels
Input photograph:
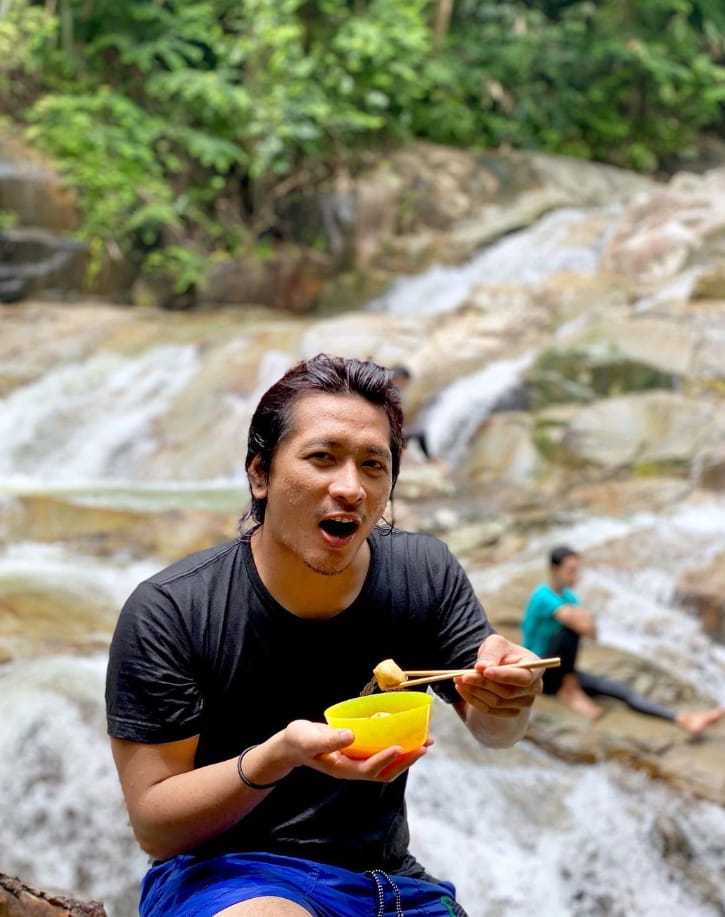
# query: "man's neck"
{"type": "Point", "coordinates": [304, 592]}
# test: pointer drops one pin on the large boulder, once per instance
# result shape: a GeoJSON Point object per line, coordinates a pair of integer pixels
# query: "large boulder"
{"type": "Point", "coordinates": [627, 354]}
{"type": "Point", "coordinates": [39, 251]}
{"type": "Point", "coordinates": [648, 431]}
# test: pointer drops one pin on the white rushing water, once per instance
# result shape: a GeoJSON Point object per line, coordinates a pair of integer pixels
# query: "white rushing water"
{"type": "Point", "coordinates": [90, 420]}
{"type": "Point", "coordinates": [588, 836]}
{"type": "Point", "coordinates": [454, 416]}
{"type": "Point", "coordinates": [518, 832]}
{"type": "Point", "coordinates": [526, 256]}
{"type": "Point", "coordinates": [64, 825]}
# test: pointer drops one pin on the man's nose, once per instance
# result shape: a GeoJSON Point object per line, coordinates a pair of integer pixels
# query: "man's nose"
{"type": "Point", "coordinates": [347, 483]}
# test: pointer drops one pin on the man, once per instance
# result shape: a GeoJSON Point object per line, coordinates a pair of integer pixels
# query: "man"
{"type": "Point", "coordinates": [401, 378]}
{"type": "Point", "coordinates": [221, 667]}
{"type": "Point", "coordinates": [555, 621]}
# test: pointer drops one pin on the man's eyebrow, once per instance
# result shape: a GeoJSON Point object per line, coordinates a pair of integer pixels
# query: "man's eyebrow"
{"type": "Point", "coordinates": [335, 443]}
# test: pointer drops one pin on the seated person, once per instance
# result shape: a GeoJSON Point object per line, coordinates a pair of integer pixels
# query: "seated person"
{"type": "Point", "coordinates": [553, 624]}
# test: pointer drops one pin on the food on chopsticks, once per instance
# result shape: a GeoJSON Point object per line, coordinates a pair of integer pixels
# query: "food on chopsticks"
{"type": "Point", "coordinates": [389, 675]}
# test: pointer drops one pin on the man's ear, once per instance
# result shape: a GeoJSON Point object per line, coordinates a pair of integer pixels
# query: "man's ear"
{"type": "Point", "coordinates": [257, 478]}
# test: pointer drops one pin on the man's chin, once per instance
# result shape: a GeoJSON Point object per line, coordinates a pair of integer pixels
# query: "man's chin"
{"type": "Point", "coordinates": [328, 567]}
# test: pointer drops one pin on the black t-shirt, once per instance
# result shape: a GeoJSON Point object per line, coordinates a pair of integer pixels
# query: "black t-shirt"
{"type": "Point", "coordinates": [202, 648]}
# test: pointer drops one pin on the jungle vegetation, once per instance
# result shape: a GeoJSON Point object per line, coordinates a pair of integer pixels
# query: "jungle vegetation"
{"type": "Point", "coordinates": [181, 122]}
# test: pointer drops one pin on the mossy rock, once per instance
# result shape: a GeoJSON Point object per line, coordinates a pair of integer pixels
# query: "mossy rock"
{"type": "Point", "coordinates": [585, 375]}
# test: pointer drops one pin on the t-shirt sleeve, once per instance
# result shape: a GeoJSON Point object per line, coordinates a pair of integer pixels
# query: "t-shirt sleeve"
{"type": "Point", "coordinates": [461, 622]}
{"type": "Point", "coordinates": [540, 612]}
{"type": "Point", "coordinates": [544, 604]}
{"type": "Point", "coordinates": [152, 694]}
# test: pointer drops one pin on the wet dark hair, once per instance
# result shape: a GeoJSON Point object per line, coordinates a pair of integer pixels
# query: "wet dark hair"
{"type": "Point", "coordinates": [274, 415]}
{"type": "Point", "coordinates": [400, 372]}
{"type": "Point", "coordinates": [559, 554]}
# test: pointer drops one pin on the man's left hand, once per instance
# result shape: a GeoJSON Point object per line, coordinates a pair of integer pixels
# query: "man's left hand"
{"type": "Point", "coordinates": [500, 688]}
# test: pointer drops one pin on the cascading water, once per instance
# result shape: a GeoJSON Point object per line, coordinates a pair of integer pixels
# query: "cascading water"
{"type": "Point", "coordinates": [61, 427]}
{"type": "Point", "coordinates": [526, 256]}
{"type": "Point", "coordinates": [453, 417]}
{"type": "Point", "coordinates": [518, 831]}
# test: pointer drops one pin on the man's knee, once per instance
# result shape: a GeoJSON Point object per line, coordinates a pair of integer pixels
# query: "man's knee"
{"type": "Point", "coordinates": [265, 907]}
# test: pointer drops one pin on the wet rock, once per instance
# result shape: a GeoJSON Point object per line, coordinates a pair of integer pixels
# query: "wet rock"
{"type": "Point", "coordinates": [610, 358]}
{"type": "Point", "coordinates": [31, 189]}
{"type": "Point", "coordinates": [703, 591]}
{"type": "Point", "coordinates": [660, 429]}
{"type": "Point", "coordinates": [503, 450]}
{"type": "Point", "coordinates": [288, 278]}
{"type": "Point", "coordinates": [37, 260]}
{"type": "Point", "coordinates": [665, 229]}
{"type": "Point", "coordinates": [18, 899]}
{"type": "Point", "coordinates": [677, 851]}
{"type": "Point", "coordinates": [622, 498]}
{"type": "Point", "coordinates": [102, 531]}
{"type": "Point", "coordinates": [645, 743]}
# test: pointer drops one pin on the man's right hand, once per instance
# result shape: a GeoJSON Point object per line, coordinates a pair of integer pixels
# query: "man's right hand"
{"type": "Point", "coordinates": [320, 747]}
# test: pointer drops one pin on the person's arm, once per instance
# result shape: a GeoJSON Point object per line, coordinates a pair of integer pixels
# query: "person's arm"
{"type": "Point", "coordinates": [578, 619]}
{"type": "Point", "coordinates": [496, 702]}
{"type": "Point", "coordinates": [174, 807]}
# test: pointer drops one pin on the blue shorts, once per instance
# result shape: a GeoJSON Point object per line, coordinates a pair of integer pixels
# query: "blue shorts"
{"type": "Point", "coordinates": [187, 886]}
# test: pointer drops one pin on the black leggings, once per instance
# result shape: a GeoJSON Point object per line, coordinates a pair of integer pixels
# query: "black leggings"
{"type": "Point", "coordinates": [566, 645]}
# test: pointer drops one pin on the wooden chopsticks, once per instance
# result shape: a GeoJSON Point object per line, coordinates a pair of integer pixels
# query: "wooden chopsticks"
{"type": "Point", "coordinates": [430, 675]}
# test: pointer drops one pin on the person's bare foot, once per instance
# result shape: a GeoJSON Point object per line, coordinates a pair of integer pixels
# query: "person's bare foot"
{"type": "Point", "coordinates": [571, 694]}
{"type": "Point", "coordinates": [696, 723]}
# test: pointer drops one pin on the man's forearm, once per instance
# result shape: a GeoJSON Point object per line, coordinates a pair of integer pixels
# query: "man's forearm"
{"type": "Point", "coordinates": [496, 731]}
{"type": "Point", "coordinates": [184, 810]}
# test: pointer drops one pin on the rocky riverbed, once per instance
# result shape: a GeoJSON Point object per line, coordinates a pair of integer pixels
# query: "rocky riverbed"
{"type": "Point", "coordinates": [569, 374]}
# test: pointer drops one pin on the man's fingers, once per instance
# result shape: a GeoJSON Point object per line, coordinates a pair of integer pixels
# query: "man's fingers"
{"type": "Point", "coordinates": [494, 700]}
{"type": "Point", "coordinates": [509, 688]}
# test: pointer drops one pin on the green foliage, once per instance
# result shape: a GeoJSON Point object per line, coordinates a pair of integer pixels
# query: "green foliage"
{"type": "Point", "coordinates": [112, 153]}
{"type": "Point", "coordinates": [8, 219]}
{"type": "Point", "coordinates": [25, 33]}
{"type": "Point", "coordinates": [175, 119]}
{"type": "Point", "coordinates": [628, 83]}
{"type": "Point", "coordinates": [185, 267]}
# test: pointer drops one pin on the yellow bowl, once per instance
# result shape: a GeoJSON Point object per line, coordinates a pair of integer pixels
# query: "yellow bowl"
{"type": "Point", "coordinates": [381, 720]}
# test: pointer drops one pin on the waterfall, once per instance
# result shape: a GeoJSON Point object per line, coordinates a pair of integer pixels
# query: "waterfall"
{"type": "Point", "coordinates": [63, 823]}
{"type": "Point", "coordinates": [526, 256]}
{"type": "Point", "coordinates": [92, 419]}
{"type": "Point", "coordinates": [518, 831]}
{"type": "Point", "coordinates": [455, 415]}
{"type": "Point", "coordinates": [587, 834]}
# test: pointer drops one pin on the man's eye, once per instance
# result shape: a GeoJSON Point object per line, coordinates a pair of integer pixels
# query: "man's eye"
{"type": "Point", "coordinates": [375, 465]}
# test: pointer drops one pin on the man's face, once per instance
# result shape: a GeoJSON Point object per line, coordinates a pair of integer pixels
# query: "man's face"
{"type": "Point", "coordinates": [566, 574]}
{"type": "Point", "coordinates": [329, 481]}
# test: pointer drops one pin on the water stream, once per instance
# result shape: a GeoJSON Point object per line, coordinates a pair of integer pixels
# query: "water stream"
{"type": "Point", "coordinates": [519, 832]}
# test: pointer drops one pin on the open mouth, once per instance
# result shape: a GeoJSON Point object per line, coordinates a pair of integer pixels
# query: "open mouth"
{"type": "Point", "coordinates": [339, 528]}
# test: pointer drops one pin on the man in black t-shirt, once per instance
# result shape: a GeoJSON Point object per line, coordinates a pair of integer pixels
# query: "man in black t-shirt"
{"type": "Point", "coordinates": [221, 667]}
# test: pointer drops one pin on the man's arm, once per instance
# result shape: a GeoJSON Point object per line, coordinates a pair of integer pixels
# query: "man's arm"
{"type": "Point", "coordinates": [174, 807]}
{"type": "Point", "coordinates": [496, 702]}
{"type": "Point", "coordinates": [578, 619]}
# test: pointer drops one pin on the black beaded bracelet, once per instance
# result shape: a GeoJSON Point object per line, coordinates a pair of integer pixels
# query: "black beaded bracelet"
{"type": "Point", "coordinates": [245, 780]}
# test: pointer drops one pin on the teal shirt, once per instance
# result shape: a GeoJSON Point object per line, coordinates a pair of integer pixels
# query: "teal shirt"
{"type": "Point", "coordinates": [539, 624]}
